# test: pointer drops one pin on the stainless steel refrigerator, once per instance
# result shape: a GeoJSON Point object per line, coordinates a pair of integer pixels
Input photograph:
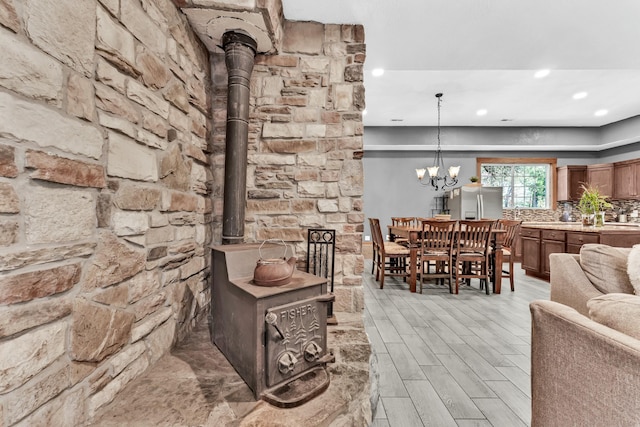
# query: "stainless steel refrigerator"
{"type": "Point", "coordinates": [475, 202]}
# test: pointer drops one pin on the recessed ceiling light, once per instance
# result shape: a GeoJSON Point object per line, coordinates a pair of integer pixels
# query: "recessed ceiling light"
{"type": "Point", "coordinates": [542, 73]}
{"type": "Point", "coordinates": [364, 112]}
{"type": "Point", "coordinates": [377, 72]}
{"type": "Point", "coordinates": [580, 95]}
{"type": "Point", "coordinates": [482, 112]}
{"type": "Point", "coordinates": [601, 113]}
{"type": "Point", "coordinates": [506, 120]}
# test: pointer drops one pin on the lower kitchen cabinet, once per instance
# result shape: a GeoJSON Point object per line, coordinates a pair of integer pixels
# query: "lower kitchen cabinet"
{"type": "Point", "coordinates": [539, 241]}
{"type": "Point", "coordinates": [552, 242]}
{"type": "Point", "coordinates": [575, 241]}
{"type": "Point", "coordinates": [530, 241]}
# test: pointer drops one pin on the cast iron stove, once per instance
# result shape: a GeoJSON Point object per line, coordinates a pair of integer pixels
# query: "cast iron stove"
{"type": "Point", "coordinates": [275, 337]}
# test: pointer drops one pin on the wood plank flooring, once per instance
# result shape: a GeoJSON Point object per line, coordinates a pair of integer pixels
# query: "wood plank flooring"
{"type": "Point", "coordinates": [452, 360]}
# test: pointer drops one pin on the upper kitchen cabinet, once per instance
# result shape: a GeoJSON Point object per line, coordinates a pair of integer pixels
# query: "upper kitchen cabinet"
{"type": "Point", "coordinates": [626, 179]}
{"type": "Point", "coordinates": [570, 178]}
{"type": "Point", "coordinates": [601, 176]}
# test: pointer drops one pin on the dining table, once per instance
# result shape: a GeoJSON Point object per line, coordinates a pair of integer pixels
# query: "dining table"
{"type": "Point", "coordinates": [412, 234]}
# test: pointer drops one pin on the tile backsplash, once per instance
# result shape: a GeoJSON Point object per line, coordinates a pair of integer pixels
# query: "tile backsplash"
{"type": "Point", "coordinates": [530, 215]}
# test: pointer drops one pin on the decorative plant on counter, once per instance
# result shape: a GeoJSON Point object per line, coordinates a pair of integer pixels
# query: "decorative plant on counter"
{"type": "Point", "coordinates": [592, 205]}
{"type": "Point", "coordinates": [474, 181]}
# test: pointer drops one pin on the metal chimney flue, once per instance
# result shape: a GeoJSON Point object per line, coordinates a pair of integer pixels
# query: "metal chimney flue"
{"type": "Point", "coordinates": [240, 50]}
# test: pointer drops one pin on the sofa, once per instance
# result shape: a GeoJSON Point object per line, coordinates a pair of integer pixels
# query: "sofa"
{"type": "Point", "coordinates": [585, 342]}
{"type": "Point", "coordinates": [596, 271]}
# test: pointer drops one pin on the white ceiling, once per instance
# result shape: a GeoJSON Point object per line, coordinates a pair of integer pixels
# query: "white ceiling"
{"type": "Point", "coordinates": [484, 53]}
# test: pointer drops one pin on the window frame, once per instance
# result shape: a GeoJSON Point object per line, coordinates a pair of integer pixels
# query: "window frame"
{"type": "Point", "coordinates": [552, 162]}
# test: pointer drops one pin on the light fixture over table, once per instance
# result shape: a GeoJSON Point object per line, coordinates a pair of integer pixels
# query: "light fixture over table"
{"type": "Point", "coordinates": [435, 180]}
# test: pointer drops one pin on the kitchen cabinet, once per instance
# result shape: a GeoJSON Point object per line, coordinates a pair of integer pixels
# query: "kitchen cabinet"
{"type": "Point", "coordinates": [552, 242]}
{"type": "Point", "coordinates": [626, 179]}
{"type": "Point", "coordinates": [537, 245]}
{"type": "Point", "coordinates": [530, 243]}
{"type": "Point", "coordinates": [601, 176]}
{"type": "Point", "coordinates": [540, 240]}
{"type": "Point", "coordinates": [619, 180]}
{"type": "Point", "coordinates": [575, 240]}
{"type": "Point", "coordinates": [570, 178]}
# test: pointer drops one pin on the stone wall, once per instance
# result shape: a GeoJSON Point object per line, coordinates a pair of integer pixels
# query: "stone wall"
{"type": "Point", "coordinates": [110, 194]}
{"type": "Point", "coordinates": [104, 199]}
{"type": "Point", "coordinates": [305, 146]}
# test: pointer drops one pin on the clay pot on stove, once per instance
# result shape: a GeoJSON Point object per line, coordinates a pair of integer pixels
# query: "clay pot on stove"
{"type": "Point", "coordinates": [274, 271]}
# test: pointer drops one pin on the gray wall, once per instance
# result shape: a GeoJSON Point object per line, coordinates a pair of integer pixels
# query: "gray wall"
{"type": "Point", "coordinates": [627, 131]}
{"type": "Point", "coordinates": [391, 187]}
{"type": "Point", "coordinates": [631, 151]}
{"type": "Point", "coordinates": [464, 136]}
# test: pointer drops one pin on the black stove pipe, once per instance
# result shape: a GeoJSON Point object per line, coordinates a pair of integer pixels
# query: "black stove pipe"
{"type": "Point", "coordinates": [239, 50]}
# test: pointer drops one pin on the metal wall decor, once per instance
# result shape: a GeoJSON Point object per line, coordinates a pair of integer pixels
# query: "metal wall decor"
{"type": "Point", "coordinates": [321, 252]}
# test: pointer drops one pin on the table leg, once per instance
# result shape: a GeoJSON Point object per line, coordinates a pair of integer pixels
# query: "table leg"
{"type": "Point", "coordinates": [497, 260]}
{"type": "Point", "coordinates": [497, 271]}
{"type": "Point", "coordinates": [413, 259]}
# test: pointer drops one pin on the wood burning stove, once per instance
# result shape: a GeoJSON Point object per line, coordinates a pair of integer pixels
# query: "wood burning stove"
{"type": "Point", "coordinates": [275, 337]}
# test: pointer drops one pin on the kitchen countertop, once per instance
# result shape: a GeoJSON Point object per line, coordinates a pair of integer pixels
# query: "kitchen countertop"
{"type": "Point", "coordinates": [576, 226]}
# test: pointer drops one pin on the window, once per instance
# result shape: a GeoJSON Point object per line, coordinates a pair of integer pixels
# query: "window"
{"type": "Point", "coordinates": [526, 183]}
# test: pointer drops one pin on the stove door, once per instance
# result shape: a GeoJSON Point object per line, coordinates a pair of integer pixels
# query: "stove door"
{"type": "Point", "coordinates": [296, 338]}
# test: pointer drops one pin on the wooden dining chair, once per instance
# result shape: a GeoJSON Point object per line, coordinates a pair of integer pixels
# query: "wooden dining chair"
{"type": "Point", "coordinates": [391, 258]}
{"type": "Point", "coordinates": [436, 247]}
{"type": "Point", "coordinates": [443, 217]}
{"type": "Point", "coordinates": [403, 221]}
{"type": "Point", "coordinates": [472, 254]}
{"type": "Point", "coordinates": [512, 228]}
{"type": "Point", "coordinates": [374, 245]}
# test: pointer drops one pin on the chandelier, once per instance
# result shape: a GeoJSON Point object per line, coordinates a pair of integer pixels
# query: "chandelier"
{"type": "Point", "coordinates": [439, 181]}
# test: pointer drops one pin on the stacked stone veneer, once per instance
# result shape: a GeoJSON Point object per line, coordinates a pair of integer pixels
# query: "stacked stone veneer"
{"type": "Point", "coordinates": [305, 146]}
{"type": "Point", "coordinates": [104, 206]}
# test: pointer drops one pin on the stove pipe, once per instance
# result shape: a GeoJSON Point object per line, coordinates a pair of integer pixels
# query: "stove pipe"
{"type": "Point", "coordinates": [239, 52]}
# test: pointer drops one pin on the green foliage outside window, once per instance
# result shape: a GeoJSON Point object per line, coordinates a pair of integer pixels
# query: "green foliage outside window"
{"type": "Point", "coordinates": [523, 186]}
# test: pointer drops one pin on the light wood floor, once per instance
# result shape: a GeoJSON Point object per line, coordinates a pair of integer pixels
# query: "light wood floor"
{"type": "Point", "coordinates": [452, 360]}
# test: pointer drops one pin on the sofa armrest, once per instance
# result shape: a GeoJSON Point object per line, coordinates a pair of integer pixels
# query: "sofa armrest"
{"type": "Point", "coordinates": [582, 373]}
{"type": "Point", "coordinates": [569, 285]}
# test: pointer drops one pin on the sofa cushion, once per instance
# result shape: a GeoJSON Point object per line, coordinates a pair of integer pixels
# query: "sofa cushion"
{"type": "Point", "coordinates": [606, 267]}
{"type": "Point", "coordinates": [633, 268]}
{"type": "Point", "coordinates": [617, 311]}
